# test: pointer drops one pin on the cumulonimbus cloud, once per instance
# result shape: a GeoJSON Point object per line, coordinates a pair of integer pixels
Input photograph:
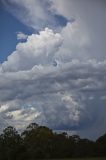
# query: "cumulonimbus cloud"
{"type": "Point", "coordinates": [57, 79]}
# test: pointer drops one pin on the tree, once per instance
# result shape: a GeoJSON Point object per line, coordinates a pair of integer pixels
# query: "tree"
{"type": "Point", "coordinates": [11, 143]}
{"type": "Point", "coordinates": [38, 142]}
{"type": "Point", "coordinates": [101, 146]}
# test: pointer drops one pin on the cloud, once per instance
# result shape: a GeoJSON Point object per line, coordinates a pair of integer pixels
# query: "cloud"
{"type": "Point", "coordinates": [57, 77]}
{"type": "Point", "coordinates": [17, 116]}
{"type": "Point", "coordinates": [103, 98]}
{"type": "Point", "coordinates": [76, 42]}
{"type": "Point", "coordinates": [54, 88]}
{"type": "Point", "coordinates": [38, 49]}
{"type": "Point", "coordinates": [56, 96]}
{"type": "Point", "coordinates": [90, 16]}
{"type": "Point", "coordinates": [33, 13]}
{"type": "Point", "coordinates": [21, 36]}
{"type": "Point", "coordinates": [48, 48]}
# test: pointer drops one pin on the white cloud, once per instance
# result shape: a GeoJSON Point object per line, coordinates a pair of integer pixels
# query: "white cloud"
{"type": "Point", "coordinates": [21, 36]}
{"type": "Point", "coordinates": [3, 108]}
{"type": "Point", "coordinates": [38, 49]}
{"type": "Point", "coordinates": [76, 42]}
{"type": "Point", "coordinates": [34, 13]}
{"type": "Point", "coordinates": [14, 113]}
{"type": "Point", "coordinates": [49, 48]}
{"type": "Point", "coordinates": [90, 16]}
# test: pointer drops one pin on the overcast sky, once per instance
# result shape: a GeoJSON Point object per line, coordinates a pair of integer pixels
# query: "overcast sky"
{"type": "Point", "coordinates": [53, 65]}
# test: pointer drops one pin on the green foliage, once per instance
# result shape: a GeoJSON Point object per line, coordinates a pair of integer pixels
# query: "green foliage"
{"type": "Point", "coordinates": [38, 142]}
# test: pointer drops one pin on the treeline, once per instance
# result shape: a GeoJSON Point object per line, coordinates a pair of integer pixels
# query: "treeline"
{"type": "Point", "coordinates": [38, 142]}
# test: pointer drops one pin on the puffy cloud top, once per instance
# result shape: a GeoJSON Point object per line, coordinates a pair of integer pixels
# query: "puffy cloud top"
{"type": "Point", "coordinates": [39, 49]}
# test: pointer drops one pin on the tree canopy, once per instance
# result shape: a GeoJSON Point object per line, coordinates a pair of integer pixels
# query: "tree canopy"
{"type": "Point", "coordinates": [38, 142]}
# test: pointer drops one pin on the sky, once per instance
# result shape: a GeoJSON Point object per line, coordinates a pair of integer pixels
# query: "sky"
{"type": "Point", "coordinates": [53, 65]}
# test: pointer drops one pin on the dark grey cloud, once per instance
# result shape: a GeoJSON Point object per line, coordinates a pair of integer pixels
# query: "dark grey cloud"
{"type": "Point", "coordinates": [61, 95]}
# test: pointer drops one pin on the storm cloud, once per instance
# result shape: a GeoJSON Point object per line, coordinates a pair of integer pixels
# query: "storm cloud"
{"type": "Point", "coordinates": [56, 77]}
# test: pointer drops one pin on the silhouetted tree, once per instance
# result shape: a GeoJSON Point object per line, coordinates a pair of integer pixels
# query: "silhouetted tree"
{"type": "Point", "coordinates": [38, 142]}
{"type": "Point", "coordinates": [101, 146]}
